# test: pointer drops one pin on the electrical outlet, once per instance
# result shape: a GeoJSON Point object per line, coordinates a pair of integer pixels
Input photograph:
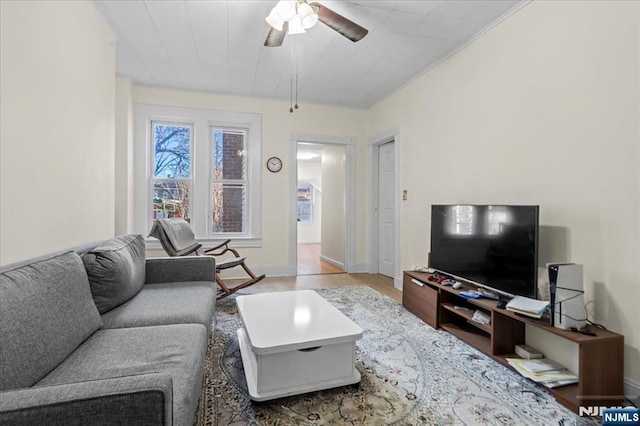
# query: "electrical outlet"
{"type": "Point", "coordinates": [404, 195]}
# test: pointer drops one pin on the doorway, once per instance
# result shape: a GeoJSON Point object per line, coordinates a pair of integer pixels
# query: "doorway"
{"type": "Point", "coordinates": [320, 208]}
{"type": "Point", "coordinates": [384, 206]}
{"type": "Point", "coordinates": [329, 195]}
{"type": "Point", "coordinates": [386, 218]}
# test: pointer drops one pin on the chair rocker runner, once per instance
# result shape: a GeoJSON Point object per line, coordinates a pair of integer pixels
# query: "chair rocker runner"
{"type": "Point", "coordinates": [177, 239]}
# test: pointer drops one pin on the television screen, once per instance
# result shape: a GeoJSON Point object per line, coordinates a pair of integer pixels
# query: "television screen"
{"type": "Point", "coordinates": [494, 246]}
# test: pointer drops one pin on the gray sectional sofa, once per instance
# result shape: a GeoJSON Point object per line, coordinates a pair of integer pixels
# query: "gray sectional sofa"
{"type": "Point", "coordinates": [100, 335]}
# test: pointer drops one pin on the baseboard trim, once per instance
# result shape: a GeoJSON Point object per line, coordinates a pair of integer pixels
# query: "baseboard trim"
{"type": "Point", "coordinates": [269, 271]}
{"type": "Point", "coordinates": [286, 271]}
{"type": "Point", "coordinates": [632, 390]}
{"type": "Point", "coordinates": [397, 283]}
{"type": "Point", "coordinates": [332, 261]}
{"type": "Point", "coordinates": [361, 268]}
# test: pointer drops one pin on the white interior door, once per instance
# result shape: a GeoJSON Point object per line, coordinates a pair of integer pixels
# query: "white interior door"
{"type": "Point", "coordinates": [386, 251]}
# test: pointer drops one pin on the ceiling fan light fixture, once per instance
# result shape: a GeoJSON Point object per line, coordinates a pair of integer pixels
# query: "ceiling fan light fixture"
{"type": "Point", "coordinates": [286, 9]}
{"type": "Point", "coordinates": [274, 20]}
{"type": "Point", "coordinates": [307, 15]}
{"type": "Point", "coordinates": [297, 16]}
{"type": "Point", "coordinates": [295, 26]}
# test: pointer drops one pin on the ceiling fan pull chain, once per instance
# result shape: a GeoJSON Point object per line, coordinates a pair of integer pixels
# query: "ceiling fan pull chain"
{"type": "Point", "coordinates": [296, 106]}
{"type": "Point", "coordinates": [291, 98]}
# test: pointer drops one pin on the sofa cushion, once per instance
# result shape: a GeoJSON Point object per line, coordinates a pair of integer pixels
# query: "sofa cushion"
{"type": "Point", "coordinates": [178, 350]}
{"type": "Point", "coordinates": [116, 270]}
{"type": "Point", "coordinates": [191, 302]}
{"type": "Point", "coordinates": [46, 312]}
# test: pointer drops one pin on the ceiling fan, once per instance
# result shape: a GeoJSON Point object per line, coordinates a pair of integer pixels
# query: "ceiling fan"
{"type": "Point", "coordinates": [296, 16]}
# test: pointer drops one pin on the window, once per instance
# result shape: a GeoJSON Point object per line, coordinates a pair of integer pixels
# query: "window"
{"type": "Point", "coordinates": [228, 181]}
{"type": "Point", "coordinates": [466, 221]}
{"type": "Point", "coordinates": [198, 164]}
{"type": "Point", "coordinates": [171, 181]}
{"type": "Point", "coordinates": [305, 203]}
{"type": "Point", "coordinates": [496, 219]}
{"type": "Point", "coordinates": [463, 219]}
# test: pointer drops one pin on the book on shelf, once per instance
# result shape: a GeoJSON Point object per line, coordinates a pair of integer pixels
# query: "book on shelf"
{"type": "Point", "coordinates": [526, 306]}
{"type": "Point", "coordinates": [557, 383]}
{"type": "Point", "coordinates": [541, 365]}
{"type": "Point", "coordinates": [560, 376]}
{"type": "Point", "coordinates": [480, 293]}
{"type": "Point", "coordinates": [526, 313]}
{"type": "Point", "coordinates": [481, 317]}
{"type": "Point", "coordinates": [527, 352]}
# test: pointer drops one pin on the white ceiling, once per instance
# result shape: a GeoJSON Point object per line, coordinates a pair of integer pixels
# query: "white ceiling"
{"type": "Point", "coordinates": [217, 46]}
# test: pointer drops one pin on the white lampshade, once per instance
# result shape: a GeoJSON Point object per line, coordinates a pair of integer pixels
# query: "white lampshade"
{"type": "Point", "coordinates": [275, 20]}
{"type": "Point", "coordinates": [286, 9]}
{"type": "Point", "coordinates": [295, 26]}
{"type": "Point", "coordinates": [307, 16]}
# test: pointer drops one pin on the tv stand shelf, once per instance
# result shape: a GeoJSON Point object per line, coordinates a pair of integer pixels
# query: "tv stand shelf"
{"type": "Point", "coordinates": [467, 315]}
{"type": "Point", "coordinates": [600, 363]}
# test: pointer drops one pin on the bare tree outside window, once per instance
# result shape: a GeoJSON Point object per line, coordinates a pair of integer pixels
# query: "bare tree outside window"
{"type": "Point", "coordinates": [172, 170]}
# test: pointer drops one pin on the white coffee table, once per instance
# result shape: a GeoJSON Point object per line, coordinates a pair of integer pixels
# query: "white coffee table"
{"type": "Point", "coordinates": [295, 342]}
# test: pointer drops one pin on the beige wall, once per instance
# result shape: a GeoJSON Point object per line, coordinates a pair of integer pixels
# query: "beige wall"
{"type": "Point", "coordinates": [57, 123]}
{"type": "Point", "coordinates": [124, 119]}
{"type": "Point", "coordinates": [333, 205]}
{"type": "Point", "coordinates": [277, 126]}
{"type": "Point", "coordinates": [543, 109]}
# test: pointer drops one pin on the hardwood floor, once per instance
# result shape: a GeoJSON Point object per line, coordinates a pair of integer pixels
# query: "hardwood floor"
{"type": "Point", "coordinates": [377, 282]}
{"type": "Point", "coordinates": [314, 274]}
{"type": "Point", "coordinates": [309, 261]}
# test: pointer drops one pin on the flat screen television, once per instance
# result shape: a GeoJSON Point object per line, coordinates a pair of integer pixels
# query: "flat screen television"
{"type": "Point", "coordinates": [493, 246]}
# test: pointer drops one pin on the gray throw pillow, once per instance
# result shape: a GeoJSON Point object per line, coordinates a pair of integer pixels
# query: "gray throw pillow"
{"type": "Point", "coordinates": [46, 312]}
{"type": "Point", "coordinates": [116, 270]}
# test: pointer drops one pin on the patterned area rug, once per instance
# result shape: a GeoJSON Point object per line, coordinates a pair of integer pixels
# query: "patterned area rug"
{"type": "Point", "coordinates": [411, 374]}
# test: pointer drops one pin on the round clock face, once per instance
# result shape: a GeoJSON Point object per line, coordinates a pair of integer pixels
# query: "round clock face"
{"type": "Point", "coordinates": [274, 164]}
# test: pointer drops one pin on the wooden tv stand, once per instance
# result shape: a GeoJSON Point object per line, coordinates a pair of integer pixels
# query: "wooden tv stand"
{"type": "Point", "coordinates": [600, 363]}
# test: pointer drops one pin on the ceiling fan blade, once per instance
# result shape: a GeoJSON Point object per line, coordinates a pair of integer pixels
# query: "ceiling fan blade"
{"type": "Point", "coordinates": [275, 37]}
{"type": "Point", "coordinates": [344, 26]}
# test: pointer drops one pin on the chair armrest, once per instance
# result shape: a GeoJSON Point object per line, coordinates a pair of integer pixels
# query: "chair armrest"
{"type": "Point", "coordinates": [224, 248]}
{"type": "Point", "coordinates": [176, 269]}
{"type": "Point", "coordinates": [222, 244]}
{"type": "Point", "coordinates": [140, 399]}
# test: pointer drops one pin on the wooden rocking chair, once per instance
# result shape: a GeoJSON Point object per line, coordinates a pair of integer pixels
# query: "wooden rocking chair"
{"type": "Point", "coordinates": [177, 239]}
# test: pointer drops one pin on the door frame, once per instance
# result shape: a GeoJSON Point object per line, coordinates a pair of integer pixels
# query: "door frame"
{"type": "Point", "coordinates": [373, 155]}
{"type": "Point", "coordinates": [349, 144]}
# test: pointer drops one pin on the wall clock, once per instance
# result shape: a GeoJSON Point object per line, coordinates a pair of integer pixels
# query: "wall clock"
{"type": "Point", "coordinates": [274, 164]}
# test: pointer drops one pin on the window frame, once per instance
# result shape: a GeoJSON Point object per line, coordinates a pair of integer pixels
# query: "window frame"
{"type": "Point", "coordinates": [152, 160]}
{"type": "Point", "coordinates": [202, 120]}
{"type": "Point", "coordinates": [248, 155]}
{"type": "Point", "coordinates": [311, 201]}
{"type": "Point", "coordinates": [458, 221]}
